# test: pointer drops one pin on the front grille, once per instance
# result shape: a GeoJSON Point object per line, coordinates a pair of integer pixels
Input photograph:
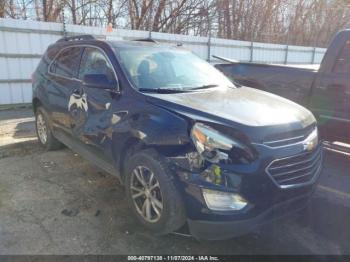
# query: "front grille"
{"type": "Point", "coordinates": [296, 170]}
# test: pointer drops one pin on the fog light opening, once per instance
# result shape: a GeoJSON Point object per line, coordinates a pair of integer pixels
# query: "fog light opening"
{"type": "Point", "coordinates": [223, 201]}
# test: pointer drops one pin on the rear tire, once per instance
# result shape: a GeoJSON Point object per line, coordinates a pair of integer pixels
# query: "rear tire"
{"type": "Point", "coordinates": [151, 193]}
{"type": "Point", "coordinates": [43, 131]}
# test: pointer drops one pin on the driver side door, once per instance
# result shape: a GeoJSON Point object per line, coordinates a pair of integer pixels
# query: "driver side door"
{"type": "Point", "coordinates": [93, 127]}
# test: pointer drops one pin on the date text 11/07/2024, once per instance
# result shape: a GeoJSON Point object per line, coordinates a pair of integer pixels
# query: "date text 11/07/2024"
{"type": "Point", "coordinates": [173, 258]}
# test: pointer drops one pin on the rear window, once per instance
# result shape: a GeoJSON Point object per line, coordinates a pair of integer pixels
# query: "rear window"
{"type": "Point", "coordinates": [66, 63]}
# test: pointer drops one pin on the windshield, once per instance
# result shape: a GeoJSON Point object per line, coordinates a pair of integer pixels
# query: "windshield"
{"type": "Point", "coordinates": [164, 69]}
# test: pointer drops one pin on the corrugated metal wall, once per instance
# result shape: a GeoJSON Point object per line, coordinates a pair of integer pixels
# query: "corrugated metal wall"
{"type": "Point", "coordinates": [23, 42]}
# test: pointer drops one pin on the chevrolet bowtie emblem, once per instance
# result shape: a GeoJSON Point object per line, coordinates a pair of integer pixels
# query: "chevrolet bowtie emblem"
{"type": "Point", "coordinates": [309, 145]}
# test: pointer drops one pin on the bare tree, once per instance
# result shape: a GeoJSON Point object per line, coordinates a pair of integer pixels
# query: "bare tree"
{"type": "Point", "coordinates": [2, 8]}
{"type": "Point", "coordinates": [300, 22]}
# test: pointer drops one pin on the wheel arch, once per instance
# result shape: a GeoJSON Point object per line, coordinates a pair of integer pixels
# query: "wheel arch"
{"type": "Point", "coordinates": [158, 129]}
{"type": "Point", "coordinates": [123, 150]}
{"type": "Point", "coordinates": [36, 103]}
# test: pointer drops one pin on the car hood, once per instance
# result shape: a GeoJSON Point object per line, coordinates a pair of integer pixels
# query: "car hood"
{"type": "Point", "coordinates": [245, 106]}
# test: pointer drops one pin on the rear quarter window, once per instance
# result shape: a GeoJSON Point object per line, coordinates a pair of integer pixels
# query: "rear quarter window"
{"type": "Point", "coordinates": [46, 60]}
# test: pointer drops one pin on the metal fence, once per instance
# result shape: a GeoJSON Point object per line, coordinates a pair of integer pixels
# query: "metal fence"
{"type": "Point", "coordinates": [23, 42]}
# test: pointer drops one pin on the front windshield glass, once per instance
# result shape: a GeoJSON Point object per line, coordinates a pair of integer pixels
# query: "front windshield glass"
{"type": "Point", "coordinates": [158, 69]}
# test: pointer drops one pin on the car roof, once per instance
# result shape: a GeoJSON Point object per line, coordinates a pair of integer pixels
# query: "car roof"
{"type": "Point", "coordinates": [131, 43]}
{"type": "Point", "coordinates": [135, 43]}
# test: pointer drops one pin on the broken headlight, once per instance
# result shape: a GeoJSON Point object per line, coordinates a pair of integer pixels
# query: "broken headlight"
{"type": "Point", "coordinates": [212, 144]}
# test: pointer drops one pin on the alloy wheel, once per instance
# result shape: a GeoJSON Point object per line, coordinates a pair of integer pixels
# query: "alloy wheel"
{"type": "Point", "coordinates": [41, 128]}
{"type": "Point", "coordinates": [146, 194]}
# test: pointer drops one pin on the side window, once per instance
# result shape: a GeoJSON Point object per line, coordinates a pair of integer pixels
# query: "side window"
{"type": "Point", "coordinates": [66, 63]}
{"type": "Point", "coordinates": [95, 62]}
{"type": "Point", "coordinates": [342, 64]}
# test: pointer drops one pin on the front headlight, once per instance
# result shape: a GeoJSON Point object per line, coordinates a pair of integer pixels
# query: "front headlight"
{"type": "Point", "coordinates": [209, 142]}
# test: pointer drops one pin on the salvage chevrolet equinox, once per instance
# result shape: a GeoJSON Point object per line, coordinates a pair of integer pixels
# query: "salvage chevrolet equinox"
{"type": "Point", "coordinates": [192, 150]}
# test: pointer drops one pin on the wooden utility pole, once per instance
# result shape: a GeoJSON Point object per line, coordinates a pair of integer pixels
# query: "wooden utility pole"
{"type": "Point", "coordinates": [45, 10]}
{"type": "Point", "coordinates": [2, 8]}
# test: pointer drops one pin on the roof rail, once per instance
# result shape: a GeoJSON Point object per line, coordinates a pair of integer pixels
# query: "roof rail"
{"type": "Point", "coordinates": [76, 38]}
{"type": "Point", "coordinates": [146, 40]}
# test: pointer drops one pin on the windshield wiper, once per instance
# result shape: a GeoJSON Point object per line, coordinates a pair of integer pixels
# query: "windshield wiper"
{"type": "Point", "coordinates": [204, 87]}
{"type": "Point", "coordinates": [175, 90]}
{"type": "Point", "coordinates": [162, 90]}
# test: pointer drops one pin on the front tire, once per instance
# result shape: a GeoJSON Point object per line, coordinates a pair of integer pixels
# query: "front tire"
{"type": "Point", "coordinates": [151, 193]}
{"type": "Point", "coordinates": [43, 131]}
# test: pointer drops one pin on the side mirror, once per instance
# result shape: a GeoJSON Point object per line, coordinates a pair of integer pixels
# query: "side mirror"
{"type": "Point", "coordinates": [99, 81]}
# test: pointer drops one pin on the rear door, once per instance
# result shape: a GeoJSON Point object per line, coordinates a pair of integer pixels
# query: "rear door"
{"type": "Point", "coordinates": [330, 100]}
{"type": "Point", "coordinates": [63, 73]}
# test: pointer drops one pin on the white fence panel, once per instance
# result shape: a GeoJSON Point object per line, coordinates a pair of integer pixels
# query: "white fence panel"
{"type": "Point", "coordinates": [319, 53]}
{"type": "Point", "coordinates": [238, 50]}
{"type": "Point", "coordinates": [269, 53]}
{"type": "Point", "coordinates": [22, 43]}
{"type": "Point", "coordinates": [301, 55]}
{"type": "Point", "coordinates": [5, 94]}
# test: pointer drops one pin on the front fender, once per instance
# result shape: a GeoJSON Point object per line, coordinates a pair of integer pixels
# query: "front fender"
{"type": "Point", "coordinates": [161, 128]}
{"type": "Point", "coordinates": [153, 127]}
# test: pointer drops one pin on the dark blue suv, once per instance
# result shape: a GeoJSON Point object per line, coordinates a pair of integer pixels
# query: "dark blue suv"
{"type": "Point", "coordinates": [189, 146]}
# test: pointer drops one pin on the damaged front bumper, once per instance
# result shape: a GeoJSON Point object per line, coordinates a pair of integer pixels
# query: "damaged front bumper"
{"type": "Point", "coordinates": [219, 230]}
{"type": "Point", "coordinates": [259, 199]}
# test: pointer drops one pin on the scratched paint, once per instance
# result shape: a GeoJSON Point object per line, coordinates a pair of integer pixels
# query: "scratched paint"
{"type": "Point", "coordinates": [115, 119]}
{"type": "Point", "coordinates": [79, 101]}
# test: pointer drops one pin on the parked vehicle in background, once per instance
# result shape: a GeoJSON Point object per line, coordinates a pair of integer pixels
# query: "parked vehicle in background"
{"type": "Point", "coordinates": [187, 144]}
{"type": "Point", "coordinates": [326, 92]}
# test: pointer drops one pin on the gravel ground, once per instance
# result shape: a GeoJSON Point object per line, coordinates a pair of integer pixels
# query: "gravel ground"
{"type": "Point", "coordinates": [58, 203]}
